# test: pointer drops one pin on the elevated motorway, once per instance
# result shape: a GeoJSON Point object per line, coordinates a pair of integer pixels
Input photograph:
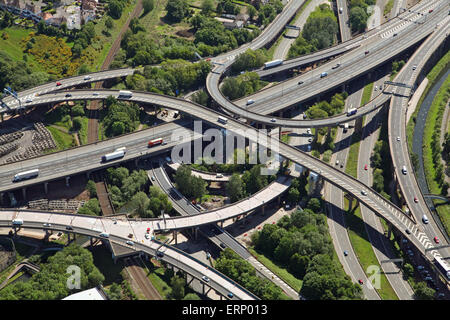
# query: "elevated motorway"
{"type": "Point", "coordinates": [353, 64]}
{"type": "Point", "coordinates": [398, 138]}
{"type": "Point", "coordinates": [355, 188]}
{"type": "Point", "coordinates": [118, 233]}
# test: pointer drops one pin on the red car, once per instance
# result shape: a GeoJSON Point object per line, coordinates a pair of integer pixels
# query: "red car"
{"type": "Point", "coordinates": [430, 11]}
{"type": "Point", "coordinates": [360, 281]}
{"type": "Point", "coordinates": [148, 230]}
{"type": "Point", "coordinates": [365, 167]}
{"type": "Point", "coordinates": [416, 200]}
{"type": "Point", "coordinates": [58, 84]}
{"type": "Point", "coordinates": [436, 239]}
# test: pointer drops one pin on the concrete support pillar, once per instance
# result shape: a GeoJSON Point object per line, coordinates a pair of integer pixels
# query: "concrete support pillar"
{"type": "Point", "coordinates": [316, 134]}
{"type": "Point", "coordinates": [136, 162]}
{"type": "Point", "coordinates": [1, 115]}
{"type": "Point", "coordinates": [329, 131]}
{"type": "Point", "coordinates": [46, 187]}
{"type": "Point", "coordinates": [24, 193]}
{"type": "Point", "coordinates": [203, 288]}
{"type": "Point", "coordinates": [175, 236]}
{"type": "Point", "coordinates": [68, 238]}
{"type": "Point", "coordinates": [91, 240]}
{"type": "Point", "coordinates": [262, 209]}
{"type": "Point", "coordinates": [196, 234]}
{"type": "Point", "coordinates": [1, 198]}
{"type": "Point", "coordinates": [350, 203]}
{"type": "Point", "coordinates": [67, 181]}
{"type": "Point", "coordinates": [221, 224]}
{"type": "Point", "coordinates": [279, 199]}
{"type": "Point", "coordinates": [88, 174]}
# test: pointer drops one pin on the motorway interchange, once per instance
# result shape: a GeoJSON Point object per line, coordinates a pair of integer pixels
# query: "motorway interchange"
{"type": "Point", "coordinates": [428, 20]}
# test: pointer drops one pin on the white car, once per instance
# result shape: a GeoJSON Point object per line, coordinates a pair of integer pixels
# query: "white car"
{"type": "Point", "coordinates": [414, 67]}
{"type": "Point", "coordinates": [29, 100]}
{"type": "Point", "coordinates": [205, 278]}
{"type": "Point", "coordinates": [95, 94]}
{"type": "Point", "coordinates": [273, 120]}
{"type": "Point", "coordinates": [131, 243]}
{"type": "Point", "coordinates": [398, 138]}
{"type": "Point", "coordinates": [364, 193]}
{"type": "Point", "coordinates": [147, 236]}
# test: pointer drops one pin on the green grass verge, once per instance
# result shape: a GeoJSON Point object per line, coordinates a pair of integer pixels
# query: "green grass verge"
{"type": "Point", "coordinates": [63, 140]}
{"type": "Point", "coordinates": [281, 272]}
{"type": "Point", "coordinates": [83, 132]}
{"type": "Point", "coordinates": [367, 93]}
{"type": "Point", "coordinates": [432, 77]}
{"type": "Point", "coordinates": [156, 278]}
{"type": "Point", "coordinates": [388, 7]}
{"type": "Point", "coordinates": [363, 248]}
{"type": "Point", "coordinates": [351, 167]}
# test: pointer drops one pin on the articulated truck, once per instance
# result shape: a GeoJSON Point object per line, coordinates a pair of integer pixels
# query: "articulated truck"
{"type": "Point", "coordinates": [273, 63]}
{"type": "Point", "coordinates": [125, 94]}
{"type": "Point", "coordinates": [113, 155]}
{"type": "Point", "coordinates": [26, 175]}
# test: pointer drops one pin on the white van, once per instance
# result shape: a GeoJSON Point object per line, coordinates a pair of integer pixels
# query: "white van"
{"type": "Point", "coordinates": [425, 219]}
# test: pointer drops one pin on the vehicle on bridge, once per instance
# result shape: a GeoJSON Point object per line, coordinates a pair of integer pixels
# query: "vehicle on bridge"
{"type": "Point", "coordinates": [125, 94]}
{"type": "Point", "coordinates": [273, 63]}
{"type": "Point", "coordinates": [26, 175]}
{"type": "Point", "coordinates": [155, 142]}
{"type": "Point", "coordinates": [323, 74]}
{"type": "Point", "coordinates": [17, 222]}
{"type": "Point", "coordinates": [222, 120]}
{"type": "Point", "coordinates": [113, 155]}
{"type": "Point", "coordinates": [351, 111]}
{"type": "Point", "coordinates": [443, 266]}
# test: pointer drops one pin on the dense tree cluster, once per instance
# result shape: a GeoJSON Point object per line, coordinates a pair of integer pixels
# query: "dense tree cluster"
{"type": "Point", "coordinates": [244, 273]}
{"type": "Point", "coordinates": [320, 31]}
{"type": "Point", "coordinates": [18, 75]}
{"type": "Point", "coordinates": [301, 243]}
{"type": "Point", "coordinates": [115, 8]}
{"type": "Point", "coordinates": [152, 205]}
{"type": "Point", "coordinates": [123, 186]}
{"type": "Point", "coordinates": [91, 207]}
{"type": "Point", "coordinates": [250, 59]}
{"type": "Point", "coordinates": [51, 282]}
{"type": "Point", "coordinates": [423, 292]}
{"type": "Point", "coordinates": [119, 117]}
{"type": "Point", "coordinates": [177, 10]}
{"type": "Point", "coordinates": [190, 186]}
{"type": "Point", "coordinates": [381, 162]}
{"type": "Point", "coordinates": [325, 109]}
{"type": "Point", "coordinates": [358, 14]}
{"type": "Point", "coordinates": [242, 85]}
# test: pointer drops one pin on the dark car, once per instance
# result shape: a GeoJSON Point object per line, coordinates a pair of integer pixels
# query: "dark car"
{"type": "Point", "coordinates": [336, 66]}
{"type": "Point", "coordinates": [68, 95]}
{"type": "Point", "coordinates": [223, 245]}
{"type": "Point", "coordinates": [230, 295]}
{"type": "Point", "coordinates": [300, 82]}
{"type": "Point", "coordinates": [407, 231]}
{"type": "Point", "coordinates": [367, 52]}
{"type": "Point", "coordinates": [69, 228]}
{"type": "Point", "coordinates": [160, 254]}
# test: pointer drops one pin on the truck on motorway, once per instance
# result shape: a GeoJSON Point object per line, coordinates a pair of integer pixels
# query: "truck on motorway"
{"type": "Point", "coordinates": [222, 120]}
{"type": "Point", "coordinates": [443, 267]}
{"type": "Point", "coordinates": [17, 222]}
{"type": "Point", "coordinates": [113, 155]}
{"type": "Point", "coordinates": [26, 175]}
{"type": "Point", "coordinates": [273, 63]}
{"type": "Point", "coordinates": [124, 149]}
{"type": "Point", "coordinates": [155, 142]}
{"type": "Point", "coordinates": [125, 94]}
{"type": "Point", "coordinates": [351, 111]}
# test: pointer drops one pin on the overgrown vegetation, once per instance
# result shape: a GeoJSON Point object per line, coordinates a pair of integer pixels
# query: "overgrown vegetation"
{"type": "Point", "coordinates": [242, 85]}
{"type": "Point", "coordinates": [358, 14]}
{"type": "Point", "coordinates": [320, 32]}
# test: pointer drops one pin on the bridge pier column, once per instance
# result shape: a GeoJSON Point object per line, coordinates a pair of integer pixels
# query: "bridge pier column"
{"type": "Point", "coordinates": [1, 198]}
{"type": "Point", "coordinates": [67, 181]}
{"type": "Point", "coordinates": [91, 241]}
{"type": "Point", "coordinates": [203, 288]}
{"type": "Point", "coordinates": [175, 236]}
{"type": "Point", "coordinates": [196, 233]}
{"type": "Point", "coordinates": [88, 174]}
{"type": "Point", "coordinates": [279, 199]}
{"type": "Point", "coordinates": [46, 187]}
{"type": "Point", "coordinates": [316, 134]}
{"type": "Point", "coordinates": [24, 193]}
{"type": "Point", "coordinates": [68, 238]}
{"type": "Point", "coordinates": [1, 116]}
{"type": "Point", "coordinates": [389, 230]}
{"type": "Point", "coordinates": [221, 224]}
{"type": "Point", "coordinates": [136, 162]}
{"type": "Point", "coordinates": [350, 203]}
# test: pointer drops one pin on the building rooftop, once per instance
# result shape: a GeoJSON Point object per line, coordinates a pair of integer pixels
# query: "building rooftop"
{"type": "Point", "coordinates": [90, 294]}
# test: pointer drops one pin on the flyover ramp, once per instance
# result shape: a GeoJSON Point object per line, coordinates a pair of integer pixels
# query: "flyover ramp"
{"type": "Point", "coordinates": [118, 233]}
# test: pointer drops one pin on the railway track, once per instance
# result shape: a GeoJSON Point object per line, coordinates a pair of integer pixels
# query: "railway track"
{"type": "Point", "coordinates": [139, 276]}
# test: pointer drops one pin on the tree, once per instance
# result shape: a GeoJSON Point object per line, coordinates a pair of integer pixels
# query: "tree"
{"type": "Point", "coordinates": [358, 19]}
{"type": "Point", "coordinates": [235, 188]}
{"type": "Point", "coordinates": [77, 123]}
{"type": "Point", "coordinates": [191, 296]}
{"type": "Point", "coordinates": [293, 196]}
{"type": "Point", "coordinates": [115, 8]}
{"type": "Point", "coordinates": [148, 5]}
{"type": "Point", "coordinates": [90, 187]}
{"type": "Point", "coordinates": [252, 12]}
{"type": "Point", "coordinates": [92, 207]}
{"type": "Point", "coordinates": [177, 285]}
{"type": "Point", "coordinates": [207, 7]}
{"type": "Point", "coordinates": [177, 10]}
{"type": "Point", "coordinates": [109, 23]}
{"type": "Point", "coordinates": [140, 203]}
{"type": "Point", "coordinates": [423, 292]}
